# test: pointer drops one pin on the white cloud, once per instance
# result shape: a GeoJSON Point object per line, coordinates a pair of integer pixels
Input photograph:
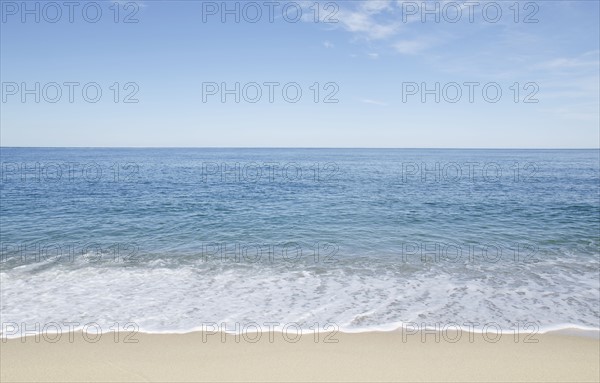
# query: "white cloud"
{"type": "Point", "coordinates": [410, 47]}
{"type": "Point", "coordinates": [328, 44]}
{"type": "Point", "coordinates": [362, 21]}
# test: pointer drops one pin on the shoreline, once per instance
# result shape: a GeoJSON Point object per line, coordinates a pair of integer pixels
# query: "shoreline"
{"type": "Point", "coordinates": [366, 356]}
{"type": "Point", "coordinates": [567, 329]}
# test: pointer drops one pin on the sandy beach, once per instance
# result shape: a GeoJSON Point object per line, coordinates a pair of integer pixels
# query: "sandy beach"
{"type": "Point", "coordinates": [300, 191]}
{"type": "Point", "coordinates": [360, 357]}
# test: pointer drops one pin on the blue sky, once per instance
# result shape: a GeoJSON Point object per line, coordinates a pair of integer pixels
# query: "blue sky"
{"type": "Point", "coordinates": [367, 57]}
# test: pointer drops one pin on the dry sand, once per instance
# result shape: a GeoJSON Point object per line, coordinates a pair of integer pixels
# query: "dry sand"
{"type": "Point", "coordinates": [373, 357]}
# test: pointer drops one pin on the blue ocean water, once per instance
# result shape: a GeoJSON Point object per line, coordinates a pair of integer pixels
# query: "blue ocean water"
{"type": "Point", "coordinates": [363, 238]}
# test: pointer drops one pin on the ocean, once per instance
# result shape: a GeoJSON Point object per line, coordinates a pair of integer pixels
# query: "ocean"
{"type": "Point", "coordinates": [352, 239]}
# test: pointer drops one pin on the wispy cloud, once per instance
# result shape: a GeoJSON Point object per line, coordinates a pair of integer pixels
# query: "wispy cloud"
{"type": "Point", "coordinates": [365, 24]}
{"type": "Point", "coordinates": [328, 44]}
{"type": "Point", "coordinates": [411, 47]}
{"type": "Point", "coordinates": [376, 6]}
{"type": "Point", "coordinates": [586, 60]}
{"type": "Point", "coordinates": [363, 19]}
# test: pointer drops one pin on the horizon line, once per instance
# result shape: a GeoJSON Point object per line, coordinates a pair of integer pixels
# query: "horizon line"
{"type": "Point", "coordinates": [292, 147]}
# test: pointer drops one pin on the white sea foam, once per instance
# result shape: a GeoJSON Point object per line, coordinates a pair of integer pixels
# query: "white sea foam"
{"type": "Point", "coordinates": [167, 297]}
